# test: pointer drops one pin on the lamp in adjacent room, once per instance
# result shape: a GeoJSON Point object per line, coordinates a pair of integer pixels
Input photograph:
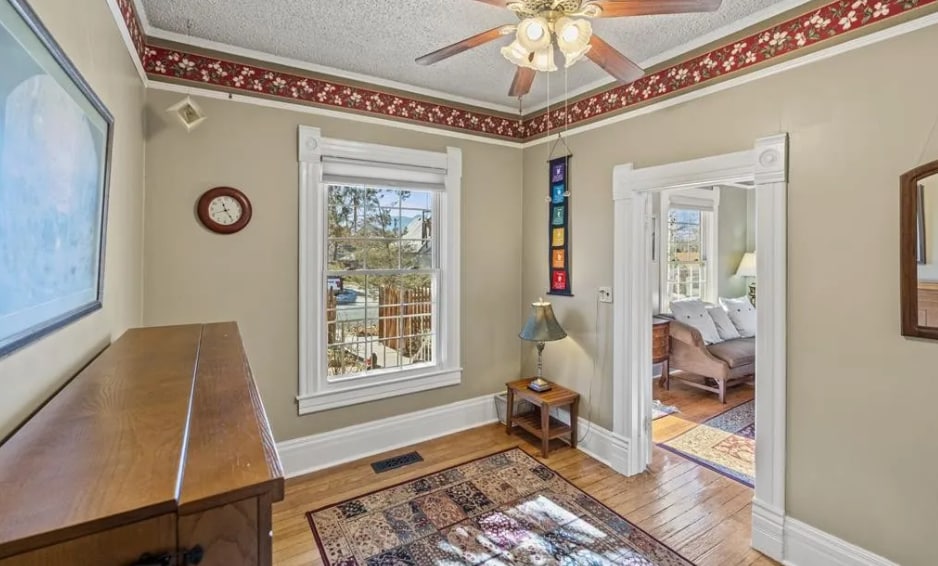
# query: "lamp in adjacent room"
{"type": "Point", "coordinates": [747, 268]}
{"type": "Point", "coordinates": [541, 327]}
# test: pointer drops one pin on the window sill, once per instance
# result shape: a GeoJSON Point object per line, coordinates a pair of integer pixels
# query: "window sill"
{"type": "Point", "coordinates": [353, 395]}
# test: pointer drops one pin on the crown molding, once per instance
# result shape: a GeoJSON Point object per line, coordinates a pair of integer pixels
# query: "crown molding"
{"type": "Point", "coordinates": [818, 28]}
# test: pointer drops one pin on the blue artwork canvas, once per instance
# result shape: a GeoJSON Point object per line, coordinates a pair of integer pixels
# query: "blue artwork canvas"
{"type": "Point", "coordinates": [54, 152]}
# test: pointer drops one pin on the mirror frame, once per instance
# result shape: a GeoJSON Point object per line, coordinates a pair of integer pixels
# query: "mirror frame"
{"type": "Point", "coordinates": [909, 201]}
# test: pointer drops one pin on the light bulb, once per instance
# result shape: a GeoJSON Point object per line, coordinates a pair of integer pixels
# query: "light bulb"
{"type": "Point", "coordinates": [570, 34]}
{"type": "Point", "coordinates": [533, 33]}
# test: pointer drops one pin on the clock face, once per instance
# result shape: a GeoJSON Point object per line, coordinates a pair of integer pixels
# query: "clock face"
{"type": "Point", "coordinates": [224, 210]}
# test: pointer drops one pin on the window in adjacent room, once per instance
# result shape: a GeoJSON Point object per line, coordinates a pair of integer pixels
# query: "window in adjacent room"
{"type": "Point", "coordinates": [379, 260]}
{"type": "Point", "coordinates": [689, 246]}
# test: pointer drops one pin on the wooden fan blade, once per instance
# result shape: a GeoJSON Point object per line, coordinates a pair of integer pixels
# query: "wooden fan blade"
{"type": "Point", "coordinates": [466, 44]}
{"type": "Point", "coordinates": [613, 62]}
{"type": "Point", "coordinates": [619, 8]}
{"type": "Point", "coordinates": [521, 85]}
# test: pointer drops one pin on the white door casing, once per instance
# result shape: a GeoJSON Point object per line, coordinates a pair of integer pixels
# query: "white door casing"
{"type": "Point", "coordinates": [765, 166]}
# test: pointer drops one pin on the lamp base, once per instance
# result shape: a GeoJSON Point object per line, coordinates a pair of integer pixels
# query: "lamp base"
{"type": "Point", "coordinates": [538, 384]}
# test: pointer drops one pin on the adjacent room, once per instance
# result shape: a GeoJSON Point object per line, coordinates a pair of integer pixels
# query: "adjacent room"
{"type": "Point", "coordinates": [468, 282]}
{"type": "Point", "coordinates": [705, 325]}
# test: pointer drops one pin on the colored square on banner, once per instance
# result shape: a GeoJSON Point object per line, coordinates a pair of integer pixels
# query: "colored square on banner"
{"type": "Point", "coordinates": [558, 280]}
{"type": "Point", "coordinates": [557, 218]}
{"type": "Point", "coordinates": [558, 171]}
{"type": "Point", "coordinates": [557, 193]}
{"type": "Point", "coordinates": [557, 259]}
{"type": "Point", "coordinates": [557, 238]}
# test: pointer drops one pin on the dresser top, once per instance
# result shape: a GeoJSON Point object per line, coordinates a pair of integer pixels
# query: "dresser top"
{"type": "Point", "coordinates": [164, 420]}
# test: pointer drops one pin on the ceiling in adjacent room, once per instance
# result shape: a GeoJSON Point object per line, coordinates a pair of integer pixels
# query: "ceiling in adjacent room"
{"type": "Point", "coordinates": [381, 38]}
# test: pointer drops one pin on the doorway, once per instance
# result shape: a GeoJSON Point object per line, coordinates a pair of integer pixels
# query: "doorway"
{"type": "Point", "coordinates": [764, 167]}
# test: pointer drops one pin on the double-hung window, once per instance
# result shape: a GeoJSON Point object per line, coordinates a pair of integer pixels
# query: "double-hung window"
{"type": "Point", "coordinates": [379, 271]}
{"type": "Point", "coordinates": [689, 228]}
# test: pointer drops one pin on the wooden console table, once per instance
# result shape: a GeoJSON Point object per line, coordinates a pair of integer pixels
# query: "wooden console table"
{"type": "Point", "coordinates": [540, 423]}
{"type": "Point", "coordinates": [158, 452]}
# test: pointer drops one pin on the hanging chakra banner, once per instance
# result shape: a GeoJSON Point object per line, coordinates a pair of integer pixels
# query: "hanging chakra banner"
{"type": "Point", "coordinates": [559, 226]}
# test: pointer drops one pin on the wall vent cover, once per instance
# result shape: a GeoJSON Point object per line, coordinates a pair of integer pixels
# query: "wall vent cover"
{"type": "Point", "coordinates": [396, 462]}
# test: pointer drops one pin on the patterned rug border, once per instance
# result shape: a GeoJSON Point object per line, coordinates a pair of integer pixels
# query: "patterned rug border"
{"type": "Point", "coordinates": [322, 551]}
{"type": "Point", "coordinates": [705, 463]}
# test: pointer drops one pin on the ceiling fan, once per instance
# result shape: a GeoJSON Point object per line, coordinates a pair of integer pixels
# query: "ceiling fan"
{"type": "Point", "coordinates": [566, 24]}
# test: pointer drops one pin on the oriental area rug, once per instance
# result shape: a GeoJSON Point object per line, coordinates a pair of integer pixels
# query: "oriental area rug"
{"type": "Point", "coordinates": [500, 510]}
{"type": "Point", "coordinates": [725, 443]}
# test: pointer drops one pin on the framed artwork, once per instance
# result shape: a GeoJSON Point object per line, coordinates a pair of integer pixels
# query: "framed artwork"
{"type": "Point", "coordinates": [559, 226]}
{"type": "Point", "coordinates": [55, 151]}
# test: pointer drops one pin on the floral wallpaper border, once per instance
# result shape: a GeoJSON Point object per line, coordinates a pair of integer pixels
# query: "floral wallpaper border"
{"type": "Point", "coordinates": [134, 28]}
{"type": "Point", "coordinates": [806, 30]}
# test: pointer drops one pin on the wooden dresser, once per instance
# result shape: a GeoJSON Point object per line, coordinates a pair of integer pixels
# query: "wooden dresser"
{"type": "Point", "coordinates": [160, 446]}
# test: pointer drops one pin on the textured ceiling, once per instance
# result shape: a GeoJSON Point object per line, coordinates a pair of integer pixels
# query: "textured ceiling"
{"type": "Point", "coordinates": [381, 38]}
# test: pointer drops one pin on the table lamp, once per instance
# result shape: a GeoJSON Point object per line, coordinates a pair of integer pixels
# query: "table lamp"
{"type": "Point", "coordinates": [747, 268]}
{"type": "Point", "coordinates": [541, 327]}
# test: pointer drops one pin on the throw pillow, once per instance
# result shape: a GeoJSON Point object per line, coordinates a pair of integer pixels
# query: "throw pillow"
{"type": "Point", "coordinates": [742, 313]}
{"type": "Point", "coordinates": [722, 321]}
{"type": "Point", "coordinates": [693, 312]}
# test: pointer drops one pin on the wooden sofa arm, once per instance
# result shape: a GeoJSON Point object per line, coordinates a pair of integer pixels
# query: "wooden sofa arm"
{"type": "Point", "coordinates": [687, 334]}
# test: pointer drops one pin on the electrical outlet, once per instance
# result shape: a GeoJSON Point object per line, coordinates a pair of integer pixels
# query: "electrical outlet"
{"type": "Point", "coordinates": [605, 294]}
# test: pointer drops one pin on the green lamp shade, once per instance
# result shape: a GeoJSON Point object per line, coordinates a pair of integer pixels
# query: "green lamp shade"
{"type": "Point", "coordinates": [542, 326]}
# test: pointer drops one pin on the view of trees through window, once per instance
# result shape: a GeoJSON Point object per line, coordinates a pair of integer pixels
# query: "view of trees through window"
{"type": "Point", "coordinates": [381, 278]}
{"type": "Point", "coordinates": [687, 274]}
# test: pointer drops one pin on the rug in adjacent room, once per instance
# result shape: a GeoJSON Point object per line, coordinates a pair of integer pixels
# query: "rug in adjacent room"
{"type": "Point", "coordinates": [500, 510]}
{"type": "Point", "coordinates": [725, 443]}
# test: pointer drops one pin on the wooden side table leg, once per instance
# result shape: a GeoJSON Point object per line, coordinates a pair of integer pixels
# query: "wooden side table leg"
{"type": "Point", "coordinates": [666, 373]}
{"type": "Point", "coordinates": [509, 411]}
{"type": "Point", "coordinates": [545, 429]}
{"type": "Point", "coordinates": [574, 411]}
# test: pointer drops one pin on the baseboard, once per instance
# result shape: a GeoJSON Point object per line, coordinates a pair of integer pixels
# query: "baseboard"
{"type": "Point", "coordinates": [604, 445]}
{"type": "Point", "coordinates": [768, 529]}
{"type": "Point", "coordinates": [808, 546]}
{"type": "Point", "coordinates": [311, 453]}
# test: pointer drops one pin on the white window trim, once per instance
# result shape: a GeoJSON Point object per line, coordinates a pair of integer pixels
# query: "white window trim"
{"type": "Point", "coordinates": [710, 231]}
{"type": "Point", "coordinates": [316, 392]}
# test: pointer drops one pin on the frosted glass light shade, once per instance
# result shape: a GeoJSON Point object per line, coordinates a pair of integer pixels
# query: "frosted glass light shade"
{"type": "Point", "coordinates": [534, 33]}
{"type": "Point", "coordinates": [747, 265]}
{"type": "Point", "coordinates": [517, 54]}
{"type": "Point", "coordinates": [543, 60]}
{"type": "Point", "coordinates": [573, 38]}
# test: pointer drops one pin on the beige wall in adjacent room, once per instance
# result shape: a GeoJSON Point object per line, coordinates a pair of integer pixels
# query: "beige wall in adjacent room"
{"type": "Point", "coordinates": [861, 448]}
{"type": "Point", "coordinates": [733, 227]}
{"type": "Point", "coordinates": [89, 35]}
{"type": "Point", "coordinates": [195, 275]}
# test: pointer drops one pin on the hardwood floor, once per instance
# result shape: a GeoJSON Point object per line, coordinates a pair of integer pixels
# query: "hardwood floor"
{"type": "Point", "coordinates": [701, 514]}
{"type": "Point", "coordinates": [694, 405]}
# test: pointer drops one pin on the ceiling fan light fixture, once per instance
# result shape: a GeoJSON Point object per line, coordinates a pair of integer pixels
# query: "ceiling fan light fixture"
{"type": "Point", "coordinates": [573, 38]}
{"type": "Point", "coordinates": [543, 60]}
{"type": "Point", "coordinates": [534, 33]}
{"type": "Point", "coordinates": [517, 54]}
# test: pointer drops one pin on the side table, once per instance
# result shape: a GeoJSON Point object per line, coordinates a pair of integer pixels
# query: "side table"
{"type": "Point", "coordinates": [661, 348]}
{"type": "Point", "coordinates": [540, 423]}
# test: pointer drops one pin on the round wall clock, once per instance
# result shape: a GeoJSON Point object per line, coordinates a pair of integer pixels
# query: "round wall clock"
{"type": "Point", "coordinates": [224, 210]}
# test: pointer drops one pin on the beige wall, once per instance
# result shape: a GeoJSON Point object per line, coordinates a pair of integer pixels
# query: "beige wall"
{"type": "Point", "coordinates": [861, 448]}
{"type": "Point", "coordinates": [90, 37]}
{"type": "Point", "coordinates": [731, 240]}
{"type": "Point", "coordinates": [251, 277]}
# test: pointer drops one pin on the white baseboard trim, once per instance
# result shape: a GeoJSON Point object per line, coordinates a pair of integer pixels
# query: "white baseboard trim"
{"type": "Point", "coordinates": [604, 445]}
{"type": "Point", "coordinates": [768, 529]}
{"type": "Point", "coordinates": [808, 546]}
{"type": "Point", "coordinates": [311, 453]}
